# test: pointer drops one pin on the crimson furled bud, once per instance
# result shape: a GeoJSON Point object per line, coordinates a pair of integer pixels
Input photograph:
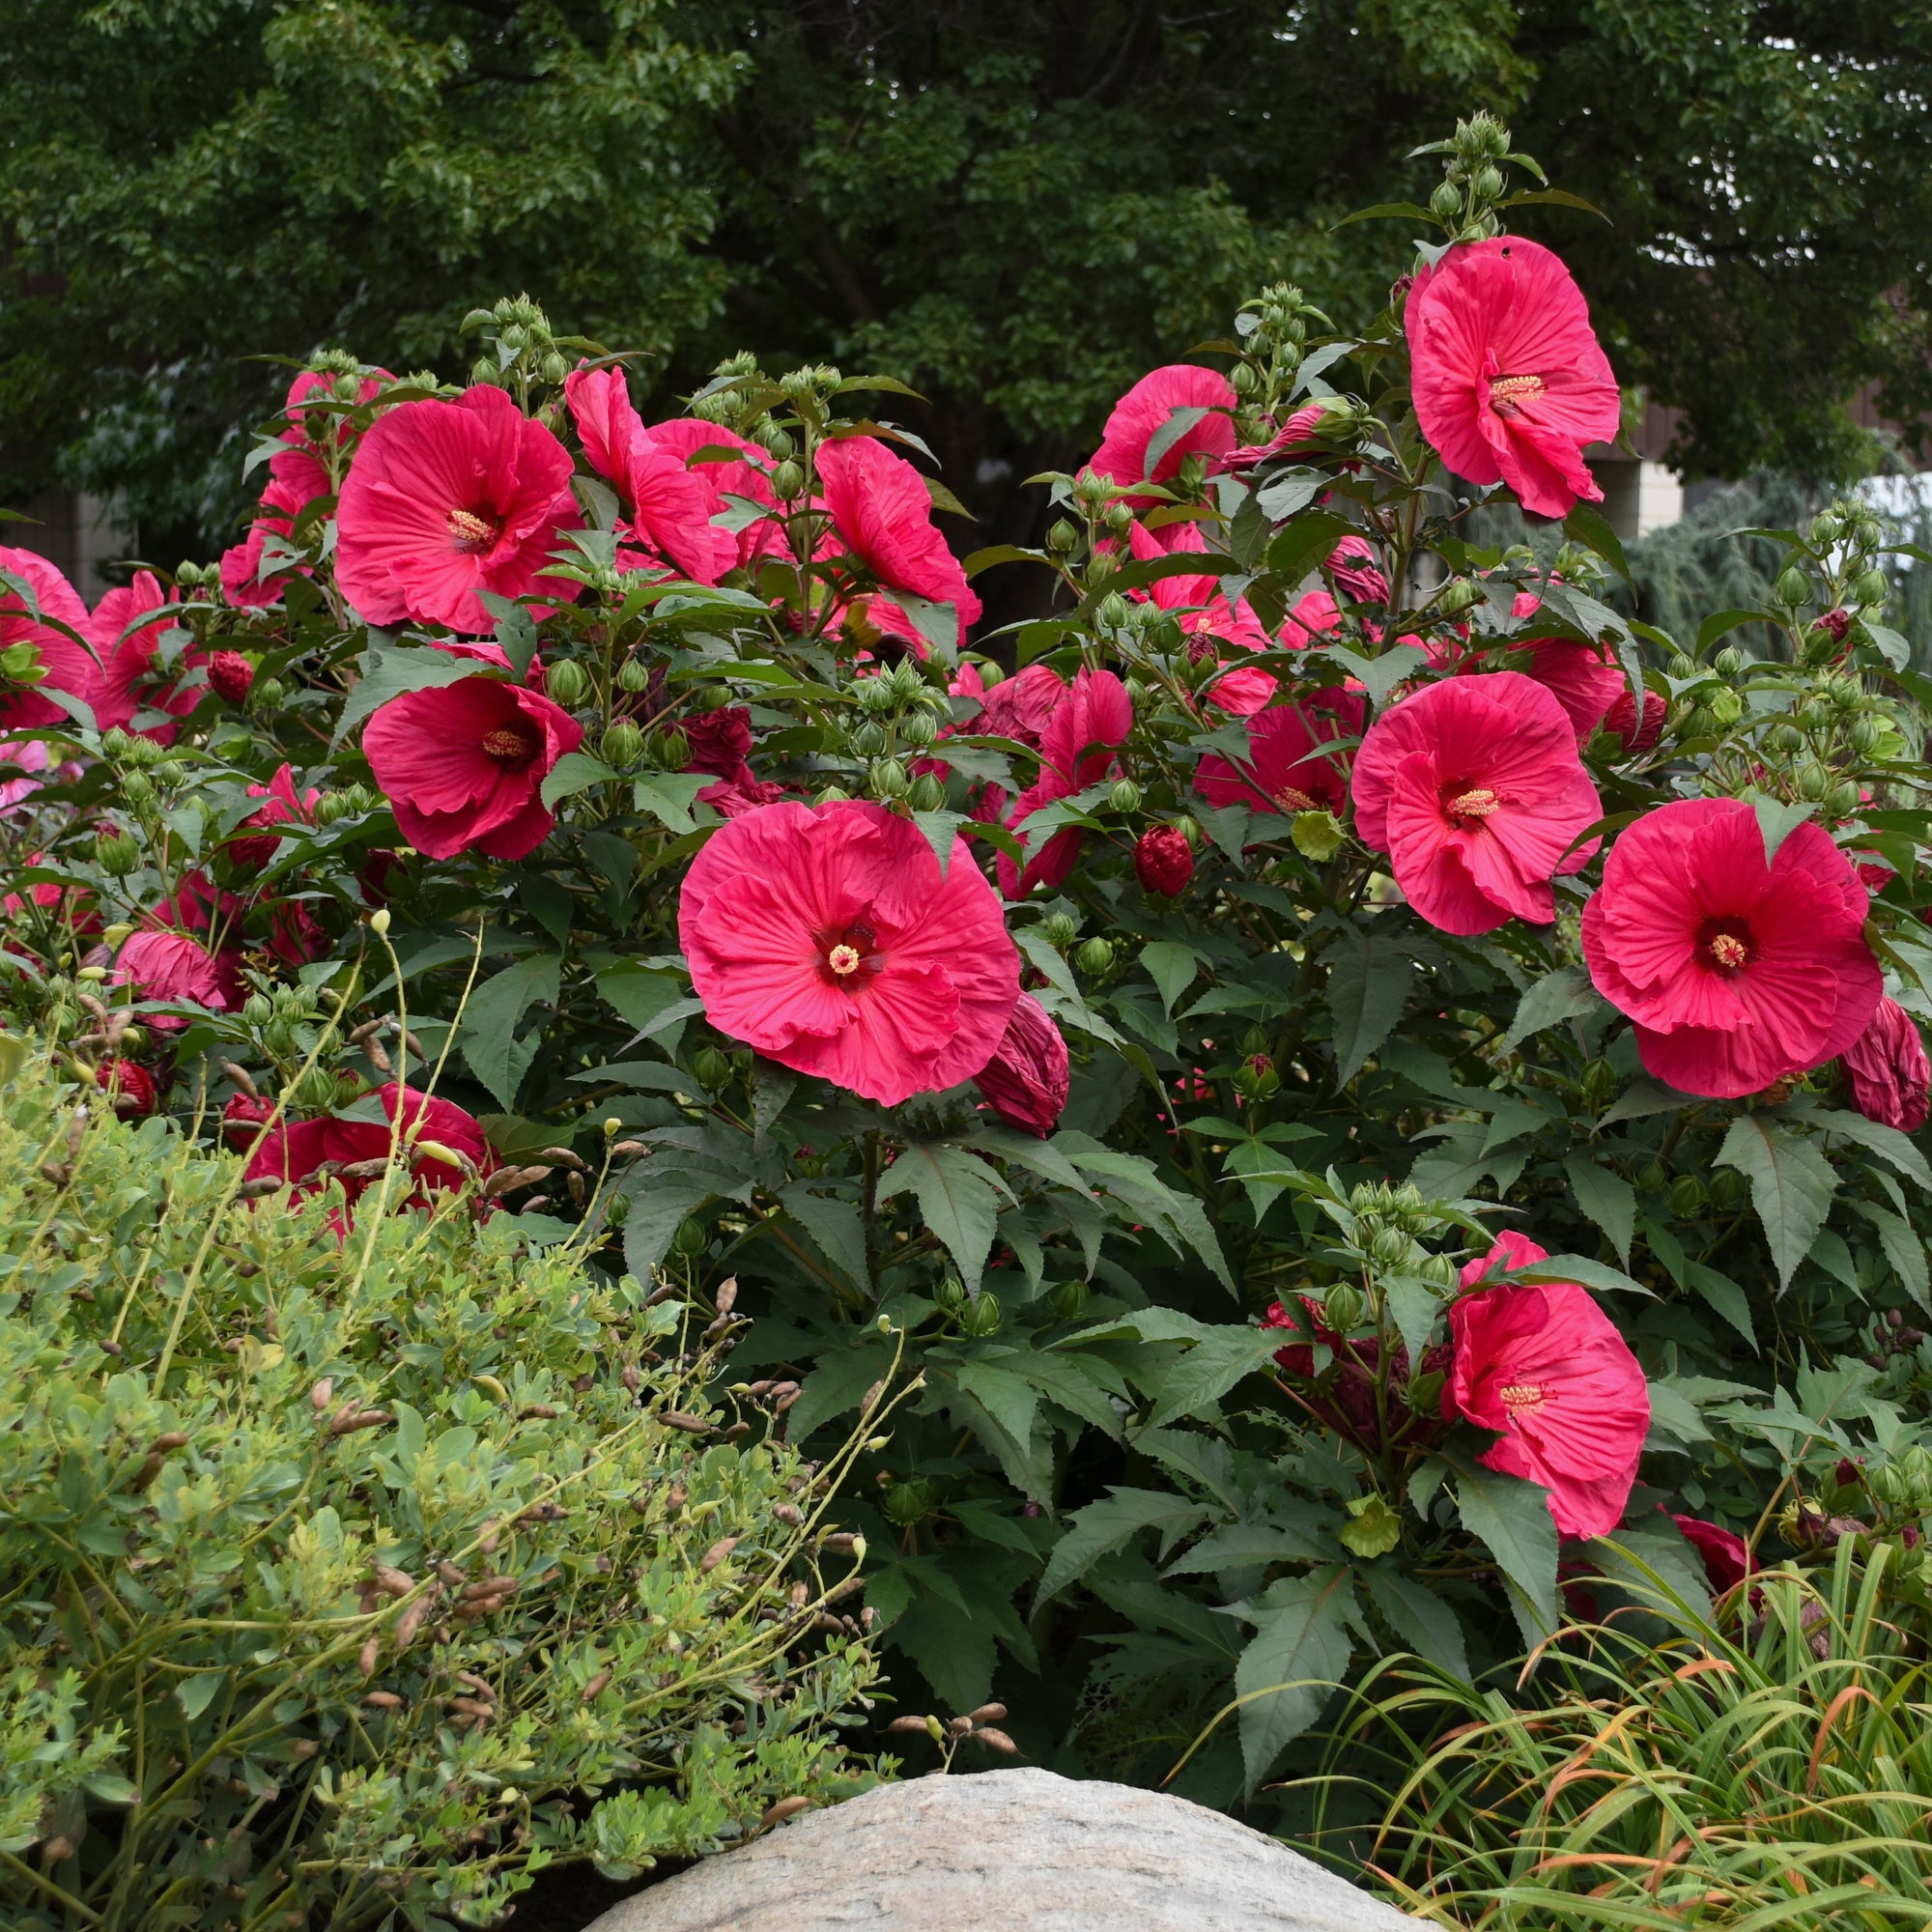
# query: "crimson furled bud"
{"type": "Point", "coordinates": [1835, 623]}
{"type": "Point", "coordinates": [1164, 861]}
{"type": "Point", "coordinates": [1638, 734]}
{"type": "Point", "coordinates": [131, 1088]}
{"type": "Point", "coordinates": [1025, 1082]}
{"type": "Point", "coordinates": [229, 675]}
{"type": "Point", "coordinates": [1887, 1071]}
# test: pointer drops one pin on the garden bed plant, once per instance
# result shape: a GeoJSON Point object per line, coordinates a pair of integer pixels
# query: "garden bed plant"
{"type": "Point", "coordinates": [1362, 1085]}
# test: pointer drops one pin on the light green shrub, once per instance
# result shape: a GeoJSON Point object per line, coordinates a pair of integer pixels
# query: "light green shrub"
{"type": "Point", "coordinates": [347, 1583]}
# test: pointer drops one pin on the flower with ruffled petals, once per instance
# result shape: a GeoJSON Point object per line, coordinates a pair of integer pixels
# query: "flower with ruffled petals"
{"type": "Point", "coordinates": [66, 663]}
{"type": "Point", "coordinates": [161, 964]}
{"type": "Point", "coordinates": [131, 680]}
{"type": "Point", "coordinates": [1020, 707]}
{"type": "Point", "coordinates": [445, 501]}
{"type": "Point", "coordinates": [1509, 383]}
{"type": "Point", "coordinates": [1286, 769]}
{"type": "Point", "coordinates": [1296, 437]}
{"type": "Point", "coordinates": [129, 1086]}
{"type": "Point", "coordinates": [279, 805]}
{"type": "Point", "coordinates": [1727, 1559]}
{"type": "Point", "coordinates": [1638, 730]}
{"type": "Point", "coordinates": [880, 506]}
{"type": "Point", "coordinates": [1474, 789]}
{"type": "Point", "coordinates": [1887, 1069]}
{"type": "Point", "coordinates": [1026, 1081]}
{"type": "Point", "coordinates": [250, 579]}
{"type": "Point", "coordinates": [1149, 408]}
{"type": "Point", "coordinates": [1351, 563]}
{"type": "Point", "coordinates": [1206, 620]}
{"type": "Point", "coordinates": [464, 765]}
{"type": "Point", "coordinates": [830, 939]}
{"type": "Point", "coordinates": [1543, 1365]}
{"type": "Point", "coordinates": [293, 1150]}
{"type": "Point", "coordinates": [1076, 749]}
{"type": "Point", "coordinates": [701, 448]}
{"type": "Point", "coordinates": [1737, 972]}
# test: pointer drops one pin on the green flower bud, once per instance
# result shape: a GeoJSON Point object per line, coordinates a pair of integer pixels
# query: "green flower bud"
{"type": "Point", "coordinates": [1787, 738]}
{"type": "Point", "coordinates": [671, 751]}
{"type": "Point", "coordinates": [985, 1319]}
{"type": "Point", "coordinates": [927, 794]}
{"type": "Point", "coordinates": [565, 684]}
{"type": "Point", "coordinates": [554, 368]}
{"type": "Point", "coordinates": [1446, 203]}
{"type": "Point", "coordinates": [1867, 533]}
{"type": "Point", "coordinates": [257, 1010]}
{"type": "Point", "coordinates": [692, 1239]}
{"type": "Point", "coordinates": [1126, 796]}
{"type": "Point", "coordinates": [1866, 731]}
{"type": "Point", "coordinates": [1815, 713]}
{"type": "Point", "coordinates": [1814, 782]}
{"type": "Point", "coordinates": [622, 745]}
{"type": "Point", "coordinates": [1843, 799]}
{"type": "Point", "coordinates": [1488, 184]}
{"type": "Point", "coordinates": [1059, 931]}
{"type": "Point", "coordinates": [1687, 1195]}
{"type": "Point", "coordinates": [907, 1503]}
{"type": "Point", "coordinates": [115, 742]}
{"type": "Point", "coordinates": [1653, 1178]}
{"type": "Point", "coordinates": [908, 680]}
{"type": "Point", "coordinates": [788, 479]}
{"type": "Point", "coordinates": [1095, 956]}
{"type": "Point", "coordinates": [117, 854]}
{"type": "Point", "coordinates": [1727, 1190]}
{"type": "Point", "coordinates": [1824, 530]}
{"type": "Point", "coordinates": [1245, 379]}
{"type": "Point", "coordinates": [1070, 1300]}
{"type": "Point", "coordinates": [1062, 537]}
{"type": "Point", "coordinates": [888, 778]}
{"type": "Point", "coordinates": [1599, 1082]}
{"type": "Point", "coordinates": [917, 730]}
{"type": "Point", "coordinates": [137, 788]}
{"type": "Point", "coordinates": [1342, 1308]}
{"type": "Point", "coordinates": [1728, 662]}
{"type": "Point", "coordinates": [266, 694]}
{"type": "Point", "coordinates": [1872, 589]}
{"type": "Point", "coordinates": [1683, 669]}
{"type": "Point", "coordinates": [1389, 1249]}
{"type": "Point", "coordinates": [712, 1068]}
{"type": "Point", "coordinates": [1726, 707]}
{"type": "Point", "coordinates": [1113, 613]}
{"type": "Point", "coordinates": [833, 795]}
{"type": "Point", "coordinates": [1190, 828]}
{"type": "Point", "coordinates": [170, 772]}
{"type": "Point", "coordinates": [1793, 587]}
{"type": "Point", "coordinates": [950, 1293]}
{"type": "Point", "coordinates": [870, 740]}
{"type": "Point", "coordinates": [1457, 595]}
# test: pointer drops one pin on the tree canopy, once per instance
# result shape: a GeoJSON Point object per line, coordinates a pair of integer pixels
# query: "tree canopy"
{"type": "Point", "coordinates": [1016, 204]}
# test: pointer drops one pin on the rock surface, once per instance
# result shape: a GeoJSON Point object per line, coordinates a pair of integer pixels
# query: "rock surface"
{"type": "Point", "coordinates": [1005, 1849]}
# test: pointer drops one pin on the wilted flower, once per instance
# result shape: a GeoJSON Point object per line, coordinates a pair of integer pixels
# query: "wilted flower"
{"type": "Point", "coordinates": [1026, 1081]}
{"type": "Point", "coordinates": [1887, 1071]}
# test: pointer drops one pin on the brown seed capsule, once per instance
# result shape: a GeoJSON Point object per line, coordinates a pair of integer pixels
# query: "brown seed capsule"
{"type": "Point", "coordinates": [410, 1622]}
{"type": "Point", "coordinates": [481, 1684]}
{"type": "Point", "coordinates": [57, 1851]}
{"type": "Point", "coordinates": [627, 1150]}
{"type": "Point", "coordinates": [564, 1157]}
{"type": "Point", "coordinates": [726, 1297]}
{"type": "Point", "coordinates": [319, 1396]}
{"type": "Point", "coordinates": [240, 1078]}
{"type": "Point", "coordinates": [717, 1553]}
{"type": "Point", "coordinates": [490, 1586]}
{"type": "Point", "coordinates": [841, 1542]}
{"type": "Point", "coordinates": [542, 1409]}
{"type": "Point", "coordinates": [254, 1190]}
{"type": "Point", "coordinates": [786, 1808]}
{"type": "Point", "coordinates": [362, 1418]}
{"type": "Point", "coordinates": [959, 1726]}
{"type": "Point", "coordinates": [366, 1169]}
{"type": "Point", "coordinates": [872, 1399]}
{"type": "Point", "coordinates": [996, 1741]}
{"type": "Point", "coordinates": [451, 1575]}
{"type": "Point", "coordinates": [597, 1685]}
{"type": "Point", "coordinates": [789, 1513]}
{"type": "Point", "coordinates": [693, 1424]}
{"type": "Point", "coordinates": [111, 1346]}
{"type": "Point", "coordinates": [847, 1588]}
{"type": "Point", "coordinates": [470, 1707]}
{"type": "Point", "coordinates": [367, 1658]}
{"type": "Point", "coordinates": [905, 1724]}
{"type": "Point", "coordinates": [392, 1582]}
{"type": "Point", "coordinates": [383, 1700]}
{"type": "Point", "coordinates": [631, 1378]}
{"type": "Point", "coordinates": [988, 1714]}
{"type": "Point", "coordinates": [676, 1496]}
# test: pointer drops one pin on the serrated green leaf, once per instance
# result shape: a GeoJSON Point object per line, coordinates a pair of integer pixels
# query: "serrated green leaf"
{"type": "Point", "coordinates": [1513, 1518]}
{"type": "Point", "coordinates": [1201, 1377]}
{"type": "Point", "coordinates": [1419, 1617]}
{"type": "Point", "coordinates": [1606, 1198]}
{"type": "Point", "coordinates": [1566, 994]}
{"type": "Point", "coordinates": [958, 1199]}
{"type": "Point", "coordinates": [1369, 979]}
{"type": "Point", "coordinates": [1291, 1667]}
{"type": "Point", "coordinates": [1791, 1183]}
{"type": "Point", "coordinates": [1109, 1524]}
{"type": "Point", "coordinates": [489, 1020]}
{"type": "Point", "coordinates": [574, 772]}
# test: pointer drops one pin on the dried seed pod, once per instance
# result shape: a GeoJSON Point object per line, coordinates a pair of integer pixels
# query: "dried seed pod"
{"type": "Point", "coordinates": [676, 1496]}
{"type": "Point", "coordinates": [366, 1660]}
{"type": "Point", "coordinates": [788, 1513]}
{"type": "Point", "coordinates": [726, 1297]}
{"type": "Point", "coordinates": [383, 1700]}
{"type": "Point", "coordinates": [364, 1418]}
{"type": "Point", "coordinates": [545, 1411]}
{"type": "Point", "coordinates": [320, 1395]}
{"type": "Point", "coordinates": [988, 1714]}
{"type": "Point", "coordinates": [536, 1204]}
{"type": "Point", "coordinates": [541, 1512]}
{"type": "Point", "coordinates": [470, 1707]}
{"type": "Point", "coordinates": [574, 1184]}
{"type": "Point", "coordinates": [410, 1622]}
{"type": "Point", "coordinates": [694, 1425]}
{"type": "Point", "coordinates": [841, 1542]}
{"type": "Point", "coordinates": [563, 1156]}
{"type": "Point", "coordinates": [597, 1685]}
{"type": "Point", "coordinates": [392, 1582]}
{"type": "Point", "coordinates": [959, 1726]}
{"type": "Point", "coordinates": [996, 1741]}
{"type": "Point", "coordinates": [490, 1586]}
{"type": "Point", "coordinates": [240, 1078]}
{"type": "Point", "coordinates": [366, 1169]}
{"type": "Point", "coordinates": [480, 1606]}
{"type": "Point", "coordinates": [786, 1808]}
{"type": "Point", "coordinates": [481, 1684]}
{"type": "Point", "coordinates": [627, 1150]}
{"type": "Point", "coordinates": [871, 1398]}
{"type": "Point", "coordinates": [631, 1376]}
{"type": "Point", "coordinates": [717, 1553]}
{"type": "Point", "coordinates": [905, 1724]}
{"type": "Point", "coordinates": [254, 1190]}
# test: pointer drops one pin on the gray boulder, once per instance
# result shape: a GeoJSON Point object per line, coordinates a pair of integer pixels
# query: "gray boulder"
{"type": "Point", "coordinates": [1004, 1849]}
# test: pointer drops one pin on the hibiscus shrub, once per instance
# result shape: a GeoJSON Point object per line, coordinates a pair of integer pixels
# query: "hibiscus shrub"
{"type": "Point", "coordinates": [1363, 1074]}
{"type": "Point", "coordinates": [356, 1584]}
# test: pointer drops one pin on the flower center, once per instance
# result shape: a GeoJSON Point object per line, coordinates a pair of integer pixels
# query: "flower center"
{"type": "Point", "coordinates": [1466, 806]}
{"type": "Point", "coordinates": [1519, 1396]}
{"type": "Point", "coordinates": [1505, 390]}
{"type": "Point", "coordinates": [850, 957]}
{"type": "Point", "coordinates": [1727, 945]}
{"type": "Point", "coordinates": [1290, 800]}
{"type": "Point", "coordinates": [509, 744]}
{"type": "Point", "coordinates": [472, 531]}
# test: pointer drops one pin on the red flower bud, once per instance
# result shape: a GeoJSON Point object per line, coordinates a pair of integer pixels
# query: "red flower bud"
{"type": "Point", "coordinates": [1164, 861]}
{"type": "Point", "coordinates": [1888, 1071]}
{"type": "Point", "coordinates": [132, 1087]}
{"type": "Point", "coordinates": [1835, 623]}
{"type": "Point", "coordinates": [1621, 720]}
{"type": "Point", "coordinates": [1025, 1082]}
{"type": "Point", "coordinates": [229, 675]}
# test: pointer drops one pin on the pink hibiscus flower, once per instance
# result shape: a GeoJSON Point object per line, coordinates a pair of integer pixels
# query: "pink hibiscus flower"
{"type": "Point", "coordinates": [1206, 620]}
{"type": "Point", "coordinates": [1077, 750]}
{"type": "Point", "coordinates": [279, 805]}
{"type": "Point", "coordinates": [301, 468]}
{"type": "Point", "coordinates": [698, 445]}
{"type": "Point", "coordinates": [1296, 437]}
{"type": "Point", "coordinates": [1026, 1081]}
{"type": "Point", "coordinates": [448, 500]}
{"type": "Point", "coordinates": [1887, 1069]}
{"type": "Point", "coordinates": [129, 680]}
{"type": "Point", "coordinates": [830, 939]}
{"type": "Point", "coordinates": [1509, 383]}
{"type": "Point", "coordinates": [1351, 563]}
{"type": "Point", "coordinates": [65, 665]}
{"type": "Point", "coordinates": [1542, 1364]}
{"type": "Point", "coordinates": [465, 765]}
{"type": "Point", "coordinates": [1020, 707]}
{"type": "Point", "coordinates": [878, 503]}
{"type": "Point", "coordinates": [248, 581]}
{"type": "Point", "coordinates": [1285, 768]}
{"type": "Point", "coordinates": [1146, 409]}
{"type": "Point", "coordinates": [295, 1151]}
{"type": "Point", "coordinates": [1737, 972]}
{"type": "Point", "coordinates": [1474, 789]}
{"type": "Point", "coordinates": [164, 965]}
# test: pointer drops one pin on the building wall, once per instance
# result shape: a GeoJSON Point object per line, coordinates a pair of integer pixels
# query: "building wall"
{"type": "Point", "coordinates": [78, 535]}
